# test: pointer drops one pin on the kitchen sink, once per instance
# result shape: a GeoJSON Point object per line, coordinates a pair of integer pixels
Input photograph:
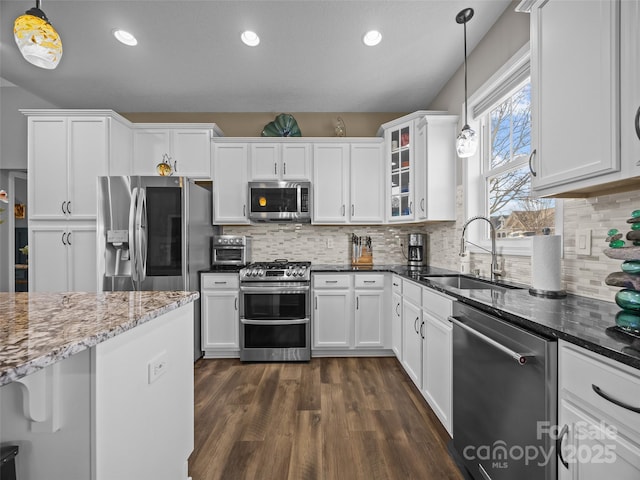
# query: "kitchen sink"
{"type": "Point", "coordinates": [464, 282]}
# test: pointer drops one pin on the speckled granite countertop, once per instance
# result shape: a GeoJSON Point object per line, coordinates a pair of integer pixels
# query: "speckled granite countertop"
{"type": "Point", "coordinates": [583, 321]}
{"type": "Point", "coordinates": [38, 329]}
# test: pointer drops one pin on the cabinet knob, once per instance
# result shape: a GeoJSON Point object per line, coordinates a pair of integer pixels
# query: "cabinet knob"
{"type": "Point", "coordinates": [533, 172]}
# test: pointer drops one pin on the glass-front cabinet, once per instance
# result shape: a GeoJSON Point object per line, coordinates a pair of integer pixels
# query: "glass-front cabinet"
{"type": "Point", "coordinates": [399, 141]}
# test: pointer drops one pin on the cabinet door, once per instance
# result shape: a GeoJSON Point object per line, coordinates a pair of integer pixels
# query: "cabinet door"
{"type": "Point", "coordinates": [87, 159]}
{"type": "Point", "coordinates": [230, 183]}
{"type": "Point", "coordinates": [366, 173]}
{"type": "Point", "coordinates": [330, 171]}
{"type": "Point", "coordinates": [369, 318]}
{"type": "Point", "coordinates": [48, 259]}
{"type": "Point", "coordinates": [630, 93]}
{"type": "Point", "coordinates": [412, 342]}
{"type": "Point", "coordinates": [592, 449]}
{"type": "Point", "coordinates": [82, 266]}
{"type": "Point", "coordinates": [264, 161]}
{"type": "Point", "coordinates": [396, 325]}
{"type": "Point", "coordinates": [575, 94]}
{"type": "Point", "coordinates": [332, 319]}
{"type": "Point", "coordinates": [149, 147]}
{"type": "Point", "coordinates": [400, 167]}
{"type": "Point", "coordinates": [47, 163]}
{"type": "Point", "coordinates": [220, 320]}
{"type": "Point", "coordinates": [296, 161]}
{"type": "Point", "coordinates": [437, 367]}
{"type": "Point", "coordinates": [420, 170]}
{"type": "Point", "coordinates": [191, 152]}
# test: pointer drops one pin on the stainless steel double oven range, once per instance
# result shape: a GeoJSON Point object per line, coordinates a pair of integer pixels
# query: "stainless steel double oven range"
{"type": "Point", "coordinates": [275, 311]}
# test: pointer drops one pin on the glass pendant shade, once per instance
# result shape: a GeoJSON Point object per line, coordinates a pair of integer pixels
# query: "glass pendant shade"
{"type": "Point", "coordinates": [466, 142]}
{"type": "Point", "coordinates": [37, 40]}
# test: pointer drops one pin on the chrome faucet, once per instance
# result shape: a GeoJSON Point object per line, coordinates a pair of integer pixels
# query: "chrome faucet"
{"type": "Point", "coordinates": [495, 271]}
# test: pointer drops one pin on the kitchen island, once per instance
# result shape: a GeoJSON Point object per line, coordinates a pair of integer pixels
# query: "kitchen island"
{"type": "Point", "coordinates": [97, 385]}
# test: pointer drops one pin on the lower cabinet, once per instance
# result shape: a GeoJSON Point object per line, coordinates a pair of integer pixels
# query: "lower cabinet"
{"type": "Point", "coordinates": [349, 312]}
{"type": "Point", "coordinates": [219, 303]}
{"type": "Point", "coordinates": [598, 432]}
{"type": "Point", "coordinates": [412, 341]}
{"type": "Point", "coordinates": [396, 316]}
{"type": "Point", "coordinates": [62, 257]}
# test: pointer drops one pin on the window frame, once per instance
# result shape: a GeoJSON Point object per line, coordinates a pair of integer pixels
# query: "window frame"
{"type": "Point", "coordinates": [474, 175]}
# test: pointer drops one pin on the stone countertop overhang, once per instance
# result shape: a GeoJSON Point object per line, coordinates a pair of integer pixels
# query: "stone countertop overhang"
{"type": "Point", "coordinates": [39, 329]}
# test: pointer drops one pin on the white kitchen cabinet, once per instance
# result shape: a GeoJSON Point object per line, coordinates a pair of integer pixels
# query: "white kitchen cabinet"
{"type": "Point", "coordinates": [396, 316]}
{"type": "Point", "coordinates": [412, 341]}
{"type": "Point", "coordinates": [400, 159]}
{"type": "Point", "coordinates": [330, 182]}
{"type": "Point", "coordinates": [62, 257]}
{"type": "Point", "coordinates": [598, 437]}
{"type": "Point", "coordinates": [437, 355]}
{"type": "Point", "coordinates": [370, 311]}
{"type": "Point", "coordinates": [280, 161]}
{"type": "Point", "coordinates": [435, 167]}
{"type": "Point", "coordinates": [332, 312]}
{"type": "Point", "coordinates": [230, 164]}
{"type": "Point", "coordinates": [581, 92]}
{"type": "Point", "coordinates": [187, 147]}
{"type": "Point", "coordinates": [347, 181]}
{"type": "Point", "coordinates": [65, 154]}
{"type": "Point", "coordinates": [219, 303]}
{"type": "Point", "coordinates": [366, 182]}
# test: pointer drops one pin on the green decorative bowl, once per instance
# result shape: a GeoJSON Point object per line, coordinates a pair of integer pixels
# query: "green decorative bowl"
{"type": "Point", "coordinates": [283, 126]}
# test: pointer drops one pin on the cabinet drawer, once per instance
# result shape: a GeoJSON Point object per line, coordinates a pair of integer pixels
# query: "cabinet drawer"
{"type": "Point", "coordinates": [579, 370]}
{"type": "Point", "coordinates": [217, 281]}
{"type": "Point", "coordinates": [331, 281]}
{"type": "Point", "coordinates": [396, 284]}
{"type": "Point", "coordinates": [412, 292]}
{"type": "Point", "coordinates": [440, 305]}
{"type": "Point", "coordinates": [367, 280]}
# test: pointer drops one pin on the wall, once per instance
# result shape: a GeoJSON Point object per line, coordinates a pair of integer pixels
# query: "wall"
{"type": "Point", "coordinates": [251, 124]}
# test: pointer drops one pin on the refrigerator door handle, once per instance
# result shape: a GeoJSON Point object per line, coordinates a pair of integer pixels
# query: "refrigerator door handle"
{"type": "Point", "coordinates": [141, 234]}
{"type": "Point", "coordinates": [133, 237]}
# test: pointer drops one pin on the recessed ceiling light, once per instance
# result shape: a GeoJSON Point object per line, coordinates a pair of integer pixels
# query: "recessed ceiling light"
{"type": "Point", "coordinates": [250, 38]}
{"type": "Point", "coordinates": [125, 37]}
{"type": "Point", "coordinates": [372, 38]}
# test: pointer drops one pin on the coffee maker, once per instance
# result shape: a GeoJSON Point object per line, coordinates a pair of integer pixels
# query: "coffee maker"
{"type": "Point", "coordinates": [416, 250]}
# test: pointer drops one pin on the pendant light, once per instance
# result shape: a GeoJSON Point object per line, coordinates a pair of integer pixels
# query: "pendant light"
{"type": "Point", "coordinates": [36, 38]}
{"type": "Point", "coordinates": [467, 141]}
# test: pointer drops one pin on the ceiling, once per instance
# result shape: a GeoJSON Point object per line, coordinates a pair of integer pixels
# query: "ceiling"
{"type": "Point", "coordinates": [190, 58]}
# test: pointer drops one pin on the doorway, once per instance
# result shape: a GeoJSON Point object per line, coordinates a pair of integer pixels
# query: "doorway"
{"type": "Point", "coordinates": [18, 237]}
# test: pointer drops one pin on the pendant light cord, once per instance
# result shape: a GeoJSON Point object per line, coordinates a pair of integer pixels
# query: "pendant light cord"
{"type": "Point", "coordinates": [466, 122]}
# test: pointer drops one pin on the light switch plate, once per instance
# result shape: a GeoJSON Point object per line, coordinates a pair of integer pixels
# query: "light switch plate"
{"type": "Point", "coordinates": [583, 242]}
{"type": "Point", "coordinates": [158, 366]}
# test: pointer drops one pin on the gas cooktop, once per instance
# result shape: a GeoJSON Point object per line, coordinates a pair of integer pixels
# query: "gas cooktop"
{"type": "Point", "coordinates": [279, 270]}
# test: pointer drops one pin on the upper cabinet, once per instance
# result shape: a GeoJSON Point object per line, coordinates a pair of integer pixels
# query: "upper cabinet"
{"type": "Point", "coordinates": [282, 161]}
{"type": "Point", "coordinates": [230, 195]}
{"type": "Point", "coordinates": [186, 147]}
{"type": "Point", "coordinates": [66, 151]}
{"type": "Point", "coordinates": [420, 167]}
{"type": "Point", "coordinates": [584, 98]}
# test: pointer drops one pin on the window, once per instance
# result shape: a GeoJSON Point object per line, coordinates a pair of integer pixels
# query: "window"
{"type": "Point", "coordinates": [498, 181]}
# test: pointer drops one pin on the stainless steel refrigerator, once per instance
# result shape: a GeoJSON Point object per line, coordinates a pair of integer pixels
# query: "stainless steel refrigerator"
{"type": "Point", "coordinates": [154, 233]}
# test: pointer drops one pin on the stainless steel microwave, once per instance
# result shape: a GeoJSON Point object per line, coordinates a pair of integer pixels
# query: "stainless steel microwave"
{"type": "Point", "coordinates": [280, 202]}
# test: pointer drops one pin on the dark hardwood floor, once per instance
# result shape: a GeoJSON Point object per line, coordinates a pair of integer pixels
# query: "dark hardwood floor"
{"type": "Point", "coordinates": [330, 419]}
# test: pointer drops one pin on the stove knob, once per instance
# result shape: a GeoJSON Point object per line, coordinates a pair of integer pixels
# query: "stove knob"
{"type": "Point", "coordinates": [253, 272]}
{"type": "Point", "coordinates": [288, 272]}
{"type": "Point", "coordinates": [260, 272]}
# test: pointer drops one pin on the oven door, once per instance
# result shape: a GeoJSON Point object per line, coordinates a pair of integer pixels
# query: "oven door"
{"type": "Point", "coordinates": [274, 323]}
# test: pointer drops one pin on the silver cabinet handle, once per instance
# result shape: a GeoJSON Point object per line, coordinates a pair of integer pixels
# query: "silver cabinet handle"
{"type": "Point", "coordinates": [422, 330]}
{"type": "Point", "coordinates": [284, 168]}
{"type": "Point", "coordinates": [357, 303]}
{"type": "Point", "coordinates": [518, 357]}
{"type": "Point", "coordinates": [422, 204]}
{"type": "Point", "coordinates": [275, 168]}
{"type": "Point", "coordinates": [396, 284]}
{"type": "Point", "coordinates": [63, 241]}
{"type": "Point", "coordinates": [66, 212]}
{"type": "Point", "coordinates": [369, 281]}
{"type": "Point", "coordinates": [330, 281]}
{"type": "Point", "coordinates": [315, 303]}
{"type": "Point", "coordinates": [343, 210]}
{"type": "Point", "coordinates": [533, 172]}
{"type": "Point", "coordinates": [410, 208]}
{"type": "Point", "coordinates": [353, 209]}
{"type": "Point", "coordinates": [637, 122]}
{"type": "Point", "coordinates": [415, 324]}
{"type": "Point", "coordinates": [236, 303]}
{"type": "Point", "coordinates": [175, 166]}
{"type": "Point", "coordinates": [609, 398]}
{"type": "Point", "coordinates": [397, 307]}
{"type": "Point", "coordinates": [69, 238]}
{"type": "Point", "coordinates": [563, 432]}
{"type": "Point", "coordinates": [244, 210]}
{"type": "Point", "coordinates": [218, 282]}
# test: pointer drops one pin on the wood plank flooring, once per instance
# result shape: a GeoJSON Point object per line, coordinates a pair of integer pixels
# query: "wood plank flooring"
{"type": "Point", "coordinates": [329, 419]}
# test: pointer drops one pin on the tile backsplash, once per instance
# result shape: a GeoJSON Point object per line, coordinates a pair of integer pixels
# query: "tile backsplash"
{"type": "Point", "coordinates": [581, 274]}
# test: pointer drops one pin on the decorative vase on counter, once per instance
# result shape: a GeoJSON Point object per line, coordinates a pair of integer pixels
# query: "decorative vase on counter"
{"type": "Point", "coordinates": [628, 319]}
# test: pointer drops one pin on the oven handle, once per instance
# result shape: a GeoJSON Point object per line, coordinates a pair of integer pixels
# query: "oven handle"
{"type": "Point", "coordinates": [274, 323]}
{"type": "Point", "coordinates": [275, 289]}
{"type": "Point", "coordinates": [518, 357]}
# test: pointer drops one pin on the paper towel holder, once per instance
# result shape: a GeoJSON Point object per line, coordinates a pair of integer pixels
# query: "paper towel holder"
{"type": "Point", "coordinates": [547, 293]}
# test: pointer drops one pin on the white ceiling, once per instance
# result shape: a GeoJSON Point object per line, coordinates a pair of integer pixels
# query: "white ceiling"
{"type": "Point", "coordinates": [190, 58]}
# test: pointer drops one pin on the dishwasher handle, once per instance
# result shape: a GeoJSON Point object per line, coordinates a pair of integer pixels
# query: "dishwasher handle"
{"type": "Point", "coordinates": [518, 357]}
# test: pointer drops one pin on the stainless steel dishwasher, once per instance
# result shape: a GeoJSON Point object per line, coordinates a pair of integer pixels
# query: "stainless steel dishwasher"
{"type": "Point", "coordinates": [504, 398]}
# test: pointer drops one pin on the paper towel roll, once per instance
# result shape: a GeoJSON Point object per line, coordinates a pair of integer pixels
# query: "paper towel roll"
{"type": "Point", "coordinates": [546, 265]}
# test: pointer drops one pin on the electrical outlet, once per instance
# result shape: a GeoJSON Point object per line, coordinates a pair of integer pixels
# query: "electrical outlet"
{"type": "Point", "coordinates": [330, 242]}
{"type": "Point", "coordinates": [158, 366]}
{"type": "Point", "coordinates": [583, 242]}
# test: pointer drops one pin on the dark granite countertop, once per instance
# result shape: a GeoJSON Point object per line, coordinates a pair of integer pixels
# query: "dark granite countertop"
{"type": "Point", "coordinates": [583, 321]}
